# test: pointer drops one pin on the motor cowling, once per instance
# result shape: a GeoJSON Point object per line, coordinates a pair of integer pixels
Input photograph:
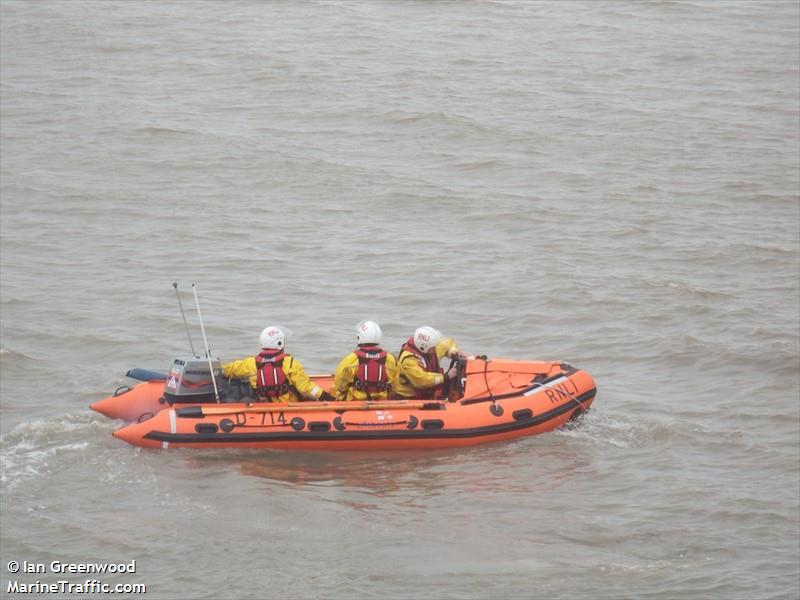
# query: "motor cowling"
{"type": "Point", "coordinates": [189, 380]}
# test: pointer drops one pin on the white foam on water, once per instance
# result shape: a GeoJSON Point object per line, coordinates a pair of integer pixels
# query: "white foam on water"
{"type": "Point", "coordinates": [28, 450]}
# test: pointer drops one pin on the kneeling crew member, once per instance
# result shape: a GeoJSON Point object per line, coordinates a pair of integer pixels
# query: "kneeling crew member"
{"type": "Point", "coordinates": [419, 373]}
{"type": "Point", "coordinates": [275, 375]}
{"type": "Point", "coordinates": [369, 372]}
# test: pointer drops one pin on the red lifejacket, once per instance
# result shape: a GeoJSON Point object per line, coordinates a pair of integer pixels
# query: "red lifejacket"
{"type": "Point", "coordinates": [271, 380]}
{"type": "Point", "coordinates": [428, 361]}
{"type": "Point", "coordinates": [371, 374]}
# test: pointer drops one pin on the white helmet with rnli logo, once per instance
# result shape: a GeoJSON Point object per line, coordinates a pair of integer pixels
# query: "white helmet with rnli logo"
{"type": "Point", "coordinates": [272, 338]}
{"type": "Point", "coordinates": [368, 332]}
{"type": "Point", "coordinates": [426, 338]}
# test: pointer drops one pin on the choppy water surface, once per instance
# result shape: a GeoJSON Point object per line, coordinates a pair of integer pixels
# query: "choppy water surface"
{"type": "Point", "coordinates": [610, 183]}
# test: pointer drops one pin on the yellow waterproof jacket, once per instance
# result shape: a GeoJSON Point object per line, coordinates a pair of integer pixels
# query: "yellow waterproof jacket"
{"type": "Point", "coordinates": [295, 376]}
{"type": "Point", "coordinates": [413, 380]}
{"type": "Point", "coordinates": [344, 381]}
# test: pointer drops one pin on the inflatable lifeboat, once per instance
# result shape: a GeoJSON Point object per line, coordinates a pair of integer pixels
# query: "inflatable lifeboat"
{"type": "Point", "coordinates": [491, 400]}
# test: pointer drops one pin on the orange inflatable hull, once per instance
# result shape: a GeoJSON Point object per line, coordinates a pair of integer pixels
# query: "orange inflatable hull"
{"type": "Point", "coordinates": [502, 400]}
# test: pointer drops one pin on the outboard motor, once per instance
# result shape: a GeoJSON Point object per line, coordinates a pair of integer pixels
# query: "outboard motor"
{"type": "Point", "coordinates": [189, 381]}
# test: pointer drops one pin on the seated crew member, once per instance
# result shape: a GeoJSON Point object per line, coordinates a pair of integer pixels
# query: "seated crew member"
{"type": "Point", "coordinates": [275, 375]}
{"type": "Point", "coordinates": [369, 372]}
{"type": "Point", "coordinates": [420, 375]}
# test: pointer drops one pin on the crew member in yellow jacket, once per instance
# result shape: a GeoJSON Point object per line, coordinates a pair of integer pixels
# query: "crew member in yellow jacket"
{"type": "Point", "coordinates": [420, 375]}
{"type": "Point", "coordinates": [275, 375]}
{"type": "Point", "coordinates": [369, 372]}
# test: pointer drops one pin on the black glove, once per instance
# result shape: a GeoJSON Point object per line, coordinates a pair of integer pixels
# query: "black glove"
{"type": "Point", "coordinates": [326, 397]}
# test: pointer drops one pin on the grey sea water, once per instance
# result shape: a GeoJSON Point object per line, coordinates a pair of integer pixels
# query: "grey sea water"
{"type": "Point", "coordinates": [614, 184]}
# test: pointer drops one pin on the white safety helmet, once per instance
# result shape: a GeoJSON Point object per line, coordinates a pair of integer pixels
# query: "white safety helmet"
{"type": "Point", "coordinates": [426, 338]}
{"type": "Point", "coordinates": [272, 338]}
{"type": "Point", "coordinates": [368, 332]}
